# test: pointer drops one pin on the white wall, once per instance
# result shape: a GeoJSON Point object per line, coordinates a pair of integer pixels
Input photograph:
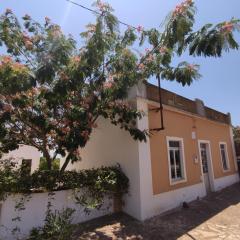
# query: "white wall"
{"type": "Point", "coordinates": [25, 152]}
{"type": "Point", "coordinates": [220, 183]}
{"type": "Point", "coordinates": [145, 168]}
{"type": "Point", "coordinates": [166, 201]}
{"type": "Point", "coordinates": [108, 146]}
{"type": "Point", "coordinates": [34, 214]}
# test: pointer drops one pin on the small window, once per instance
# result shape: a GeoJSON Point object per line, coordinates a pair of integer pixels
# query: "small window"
{"type": "Point", "coordinates": [176, 160]}
{"type": "Point", "coordinates": [26, 166]}
{"type": "Point", "coordinates": [224, 156]}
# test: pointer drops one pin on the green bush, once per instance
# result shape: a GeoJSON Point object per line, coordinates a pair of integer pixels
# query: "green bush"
{"type": "Point", "coordinates": [94, 182]}
{"type": "Point", "coordinates": [58, 226]}
{"type": "Point", "coordinates": [43, 164]}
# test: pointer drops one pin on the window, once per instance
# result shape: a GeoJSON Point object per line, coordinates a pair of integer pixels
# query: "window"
{"type": "Point", "coordinates": [204, 157]}
{"type": "Point", "coordinates": [224, 156]}
{"type": "Point", "coordinates": [26, 166]}
{"type": "Point", "coordinates": [176, 160]}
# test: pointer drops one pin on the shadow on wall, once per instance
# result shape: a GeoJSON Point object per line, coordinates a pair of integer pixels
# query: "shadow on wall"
{"type": "Point", "coordinates": [170, 226]}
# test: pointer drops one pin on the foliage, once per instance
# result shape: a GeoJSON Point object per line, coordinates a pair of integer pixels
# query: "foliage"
{"type": "Point", "coordinates": [236, 134]}
{"type": "Point", "coordinates": [52, 93]}
{"type": "Point", "coordinates": [94, 184]}
{"type": "Point", "coordinates": [12, 178]}
{"type": "Point", "coordinates": [57, 226]}
{"type": "Point", "coordinates": [90, 187]}
{"type": "Point", "coordinates": [43, 164]}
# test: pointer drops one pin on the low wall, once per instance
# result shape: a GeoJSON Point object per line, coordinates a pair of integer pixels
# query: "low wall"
{"type": "Point", "coordinates": [220, 183]}
{"type": "Point", "coordinates": [163, 202]}
{"type": "Point", "coordinates": [35, 211]}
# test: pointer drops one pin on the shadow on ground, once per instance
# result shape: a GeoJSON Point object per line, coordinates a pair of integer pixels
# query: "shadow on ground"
{"type": "Point", "coordinates": [174, 225]}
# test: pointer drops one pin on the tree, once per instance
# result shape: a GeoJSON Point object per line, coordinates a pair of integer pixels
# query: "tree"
{"type": "Point", "coordinates": [236, 134]}
{"type": "Point", "coordinates": [52, 93]}
{"type": "Point", "coordinates": [236, 138]}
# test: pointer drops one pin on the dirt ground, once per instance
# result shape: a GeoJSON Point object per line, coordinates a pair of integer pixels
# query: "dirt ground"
{"type": "Point", "coordinates": [215, 217]}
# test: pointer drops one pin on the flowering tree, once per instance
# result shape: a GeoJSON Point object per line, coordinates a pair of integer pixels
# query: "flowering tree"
{"type": "Point", "coordinates": [52, 93]}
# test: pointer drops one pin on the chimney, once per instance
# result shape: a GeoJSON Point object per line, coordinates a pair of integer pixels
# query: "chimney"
{"type": "Point", "coordinates": [229, 118]}
{"type": "Point", "coordinates": [200, 107]}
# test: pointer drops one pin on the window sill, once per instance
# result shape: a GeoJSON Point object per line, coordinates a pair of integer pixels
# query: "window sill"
{"type": "Point", "coordinates": [227, 170]}
{"type": "Point", "coordinates": [175, 182]}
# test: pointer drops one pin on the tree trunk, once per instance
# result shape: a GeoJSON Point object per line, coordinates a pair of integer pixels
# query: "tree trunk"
{"type": "Point", "coordinates": [48, 159]}
{"type": "Point", "coordinates": [67, 160]}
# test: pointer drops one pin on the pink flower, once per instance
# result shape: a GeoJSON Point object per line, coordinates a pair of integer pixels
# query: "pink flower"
{"type": "Point", "coordinates": [110, 78]}
{"type": "Point", "coordinates": [91, 28]}
{"type": "Point", "coordinates": [141, 66]}
{"type": "Point", "coordinates": [52, 133]}
{"type": "Point", "coordinates": [6, 59]}
{"type": "Point", "coordinates": [178, 10]}
{"type": "Point", "coordinates": [35, 91]}
{"type": "Point", "coordinates": [140, 28]}
{"type": "Point", "coordinates": [26, 17]}
{"type": "Point", "coordinates": [109, 82]}
{"type": "Point", "coordinates": [191, 67]}
{"type": "Point", "coordinates": [2, 97]}
{"type": "Point", "coordinates": [8, 11]}
{"type": "Point", "coordinates": [47, 20]}
{"type": "Point", "coordinates": [63, 76]}
{"type": "Point", "coordinates": [76, 59]}
{"type": "Point", "coordinates": [108, 85]}
{"type": "Point", "coordinates": [101, 6]}
{"type": "Point", "coordinates": [163, 50]}
{"type": "Point", "coordinates": [25, 37]}
{"type": "Point", "coordinates": [19, 65]}
{"type": "Point", "coordinates": [189, 2]}
{"type": "Point", "coordinates": [54, 122]}
{"type": "Point", "coordinates": [150, 58]}
{"type": "Point", "coordinates": [28, 45]}
{"type": "Point", "coordinates": [36, 38]}
{"type": "Point", "coordinates": [68, 105]}
{"type": "Point", "coordinates": [7, 107]}
{"type": "Point", "coordinates": [85, 134]}
{"type": "Point", "coordinates": [227, 27]}
{"type": "Point", "coordinates": [66, 130]}
{"type": "Point", "coordinates": [56, 32]}
{"type": "Point", "coordinates": [181, 8]}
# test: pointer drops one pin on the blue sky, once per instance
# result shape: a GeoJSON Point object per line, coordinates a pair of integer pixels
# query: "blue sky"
{"type": "Point", "coordinates": [219, 86]}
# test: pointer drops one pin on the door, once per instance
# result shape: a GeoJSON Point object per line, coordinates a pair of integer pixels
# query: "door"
{"type": "Point", "coordinates": [205, 155]}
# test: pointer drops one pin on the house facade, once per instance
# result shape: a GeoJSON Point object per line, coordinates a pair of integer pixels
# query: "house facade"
{"type": "Point", "coordinates": [193, 156]}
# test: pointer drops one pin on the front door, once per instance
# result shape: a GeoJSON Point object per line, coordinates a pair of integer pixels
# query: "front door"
{"type": "Point", "coordinates": [204, 150]}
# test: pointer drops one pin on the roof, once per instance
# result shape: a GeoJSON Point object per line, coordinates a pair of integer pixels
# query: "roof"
{"type": "Point", "coordinates": [195, 107]}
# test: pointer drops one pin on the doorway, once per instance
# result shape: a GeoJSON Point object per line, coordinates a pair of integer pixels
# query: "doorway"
{"type": "Point", "coordinates": [205, 158]}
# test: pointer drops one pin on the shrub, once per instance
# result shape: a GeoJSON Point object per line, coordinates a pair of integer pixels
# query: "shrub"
{"type": "Point", "coordinates": [93, 184]}
{"type": "Point", "coordinates": [43, 164]}
{"type": "Point", "coordinates": [58, 226]}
